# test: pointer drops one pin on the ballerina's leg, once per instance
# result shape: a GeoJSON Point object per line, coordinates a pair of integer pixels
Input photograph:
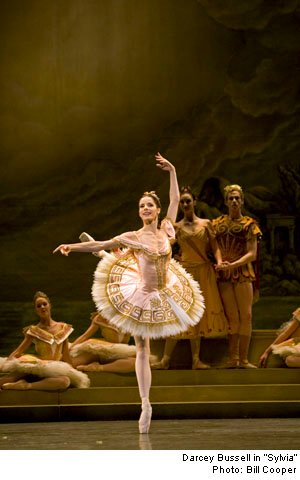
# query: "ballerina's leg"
{"type": "Point", "coordinates": [143, 374]}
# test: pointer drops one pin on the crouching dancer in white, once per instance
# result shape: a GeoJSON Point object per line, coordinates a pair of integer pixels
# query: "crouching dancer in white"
{"type": "Point", "coordinates": [141, 290]}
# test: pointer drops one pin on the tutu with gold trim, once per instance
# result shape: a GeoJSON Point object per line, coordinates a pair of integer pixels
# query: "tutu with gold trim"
{"type": "Point", "coordinates": [144, 292]}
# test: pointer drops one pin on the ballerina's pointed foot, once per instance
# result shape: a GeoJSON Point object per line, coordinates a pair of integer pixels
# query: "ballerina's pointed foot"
{"type": "Point", "coordinates": [145, 418]}
{"type": "Point", "coordinates": [19, 385]}
{"type": "Point", "coordinates": [163, 364]}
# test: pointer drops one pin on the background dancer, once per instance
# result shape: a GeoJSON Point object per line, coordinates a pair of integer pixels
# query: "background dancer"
{"type": "Point", "coordinates": [51, 367]}
{"type": "Point", "coordinates": [237, 239]}
{"type": "Point", "coordinates": [198, 248]}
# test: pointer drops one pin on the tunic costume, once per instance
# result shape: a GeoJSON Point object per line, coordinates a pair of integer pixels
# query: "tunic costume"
{"type": "Point", "coordinates": [144, 292]}
{"type": "Point", "coordinates": [47, 362]}
{"type": "Point", "coordinates": [291, 346]}
{"type": "Point", "coordinates": [232, 236]}
{"type": "Point", "coordinates": [195, 248]}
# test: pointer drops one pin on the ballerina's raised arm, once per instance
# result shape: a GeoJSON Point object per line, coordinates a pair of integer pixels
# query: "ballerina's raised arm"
{"type": "Point", "coordinates": [174, 193]}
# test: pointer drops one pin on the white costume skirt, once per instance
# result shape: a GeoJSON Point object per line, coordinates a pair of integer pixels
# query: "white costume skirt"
{"type": "Point", "coordinates": [106, 351]}
{"type": "Point", "coordinates": [289, 347]}
{"type": "Point", "coordinates": [155, 313]}
{"type": "Point", "coordinates": [44, 369]}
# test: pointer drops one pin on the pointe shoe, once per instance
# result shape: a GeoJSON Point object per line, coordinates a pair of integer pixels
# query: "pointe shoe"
{"type": "Point", "coordinates": [246, 364]}
{"type": "Point", "coordinates": [198, 365]}
{"type": "Point", "coordinates": [145, 418]}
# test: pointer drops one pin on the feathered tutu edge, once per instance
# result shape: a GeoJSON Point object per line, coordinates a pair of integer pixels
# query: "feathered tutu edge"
{"type": "Point", "coordinates": [107, 353]}
{"type": "Point", "coordinates": [45, 369]}
{"type": "Point", "coordinates": [285, 350]}
{"type": "Point", "coordinates": [127, 324]}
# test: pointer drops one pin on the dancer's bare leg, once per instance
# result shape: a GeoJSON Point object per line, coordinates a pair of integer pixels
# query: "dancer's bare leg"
{"type": "Point", "coordinates": [233, 343]}
{"type": "Point", "coordinates": [229, 301]}
{"type": "Point", "coordinates": [84, 359]}
{"type": "Point", "coordinates": [164, 363]}
{"type": "Point", "coordinates": [293, 361]}
{"type": "Point", "coordinates": [143, 374]}
{"type": "Point", "coordinates": [47, 384]}
{"type": "Point", "coordinates": [9, 379]}
{"type": "Point", "coordinates": [244, 297]}
{"type": "Point", "coordinates": [195, 349]}
{"type": "Point", "coordinates": [122, 365]}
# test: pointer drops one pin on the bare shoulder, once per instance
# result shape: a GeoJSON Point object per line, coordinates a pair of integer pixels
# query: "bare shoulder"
{"type": "Point", "coordinates": [206, 221]}
{"type": "Point", "coordinates": [178, 224]}
{"type": "Point", "coordinates": [203, 222]}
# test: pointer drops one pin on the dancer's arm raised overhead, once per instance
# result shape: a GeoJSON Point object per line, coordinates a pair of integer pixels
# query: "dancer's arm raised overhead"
{"type": "Point", "coordinates": [164, 164]}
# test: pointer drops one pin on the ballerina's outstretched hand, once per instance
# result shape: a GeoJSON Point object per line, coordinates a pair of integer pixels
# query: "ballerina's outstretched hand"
{"type": "Point", "coordinates": [63, 249]}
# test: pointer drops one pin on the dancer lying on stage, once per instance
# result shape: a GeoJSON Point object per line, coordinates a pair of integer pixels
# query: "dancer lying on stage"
{"type": "Point", "coordinates": [108, 354]}
{"type": "Point", "coordinates": [197, 243]}
{"type": "Point", "coordinates": [286, 344]}
{"type": "Point", "coordinates": [145, 293]}
{"type": "Point", "coordinates": [51, 367]}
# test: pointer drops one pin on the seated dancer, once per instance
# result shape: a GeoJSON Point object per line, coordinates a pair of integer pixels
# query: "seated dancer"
{"type": "Point", "coordinates": [51, 367]}
{"type": "Point", "coordinates": [144, 292]}
{"type": "Point", "coordinates": [237, 239]}
{"type": "Point", "coordinates": [286, 344]}
{"type": "Point", "coordinates": [108, 354]}
{"type": "Point", "coordinates": [197, 243]}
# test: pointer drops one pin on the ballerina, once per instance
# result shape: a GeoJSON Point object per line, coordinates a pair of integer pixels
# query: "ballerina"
{"type": "Point", "coordinates": [143, 291]}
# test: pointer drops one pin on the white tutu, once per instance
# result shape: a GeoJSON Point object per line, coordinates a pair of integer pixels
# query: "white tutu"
{"type": "Point", "coordinates": [106, 351]}
{"type": "Point", "coordinates": [284, 350]}
{"type": "Point", "coordinates": [45, 369]}
{"type": "Point", "coordinates": [158, 313]}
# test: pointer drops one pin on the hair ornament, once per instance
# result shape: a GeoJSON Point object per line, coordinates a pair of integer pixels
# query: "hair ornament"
{"type": "Point", "coordinates": [153, 195]}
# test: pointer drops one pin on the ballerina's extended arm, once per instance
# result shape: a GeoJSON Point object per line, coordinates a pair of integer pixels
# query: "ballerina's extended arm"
{"type": "Point", "coordinates": [93, 246]}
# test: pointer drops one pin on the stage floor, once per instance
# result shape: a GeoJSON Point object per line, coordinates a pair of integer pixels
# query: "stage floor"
{"type": "Point", "coordinates": [208, 434]}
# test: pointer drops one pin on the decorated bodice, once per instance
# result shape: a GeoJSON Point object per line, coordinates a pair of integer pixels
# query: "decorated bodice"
{"type": "Point", "coordinates": [49, 345]}
{"type": "Point", "coordinates": [195, 246]}
{"type": "Point", "coordinates": [233, 234]}
{"type": "Point", "coordinates": [152, 256]}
